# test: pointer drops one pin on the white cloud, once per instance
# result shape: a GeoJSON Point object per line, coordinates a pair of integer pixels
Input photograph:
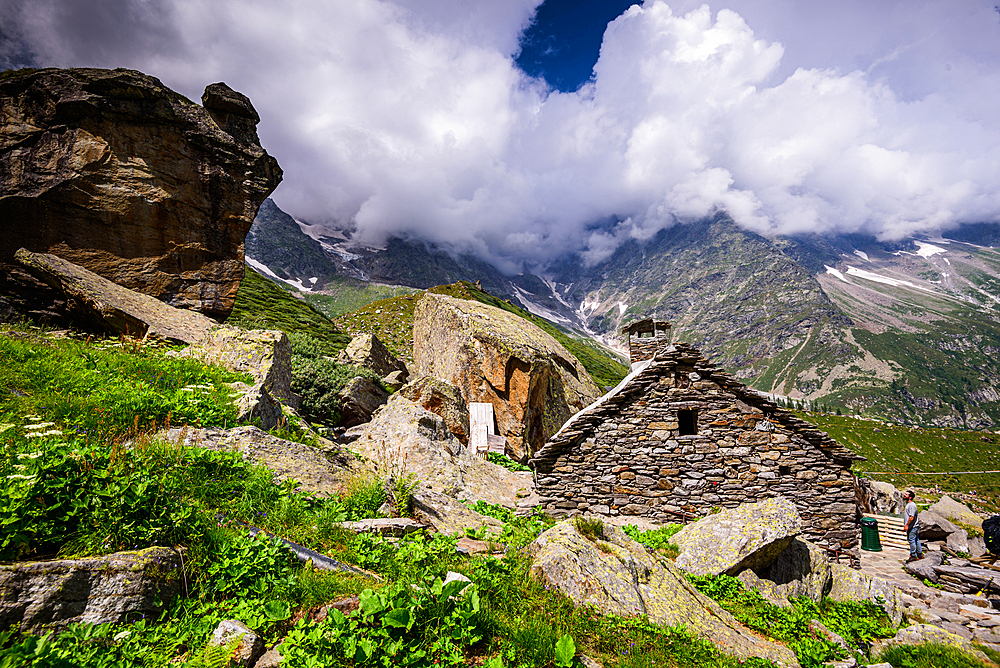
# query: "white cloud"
{"type": "Point", "coordinates": [411, 118]}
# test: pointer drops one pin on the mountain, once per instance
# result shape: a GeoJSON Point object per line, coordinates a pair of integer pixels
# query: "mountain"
{"type": "Point", "coordinates": [906, 331]}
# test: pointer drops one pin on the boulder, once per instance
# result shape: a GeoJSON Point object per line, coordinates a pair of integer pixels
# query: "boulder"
{"type": "Point", "coordinates": [802, 569]}
{"type": "Point", "coordinates": [359, 399]}
{"type": "Point", "coordinates": [403, 437]}
{"type": "Point", "coordinates": [496, 357]}
{"type": "Point", "coordinates": [269, 659]}
{"type": "Point", "coordinates": [934, 527]}
{"type": "Point", "coordinates": [851, 585]}
{"type": "Point", "coordinates": [113, 171]}
{"type": "Point", "coordinates": [395, 380]}
{"type": "Point", "coordinates": [749, 536]}
{"type": "Point", "coordinates": [96, 304]}
{"type": "Point", "coordinates": [366, 350]}
{"type": "Point", "coordinates": [249, 646]}
{"type": "Point", "coordinates": [254, 402]}
{"type": "Point", "coordinates": [880, 497]}
{"type": "Point", "coordinates": [977, 547]}
{"type": "Point", "coordinates": [924, 568]}
{"type": "Point", "coordinates": [618, 576]}
{"type": "Point", "coordinates": [443, 399]}
{"type": "Point", "coordinates": [448, 515]}
{"type": "Point", "coordinates": [926, 633]}
{"type": "Point", "coordinates": [264, 354]}
{"type": "Point", "coordinates": [119, 587]}
{"type": "Point", "coordinates": [322, 470]}
{"type": "Point", "coordinates": [952, 510]}
{"type": "Point", "coordinates": [958, 541]}
{"type": "Point", "coordinates": [386, 526]}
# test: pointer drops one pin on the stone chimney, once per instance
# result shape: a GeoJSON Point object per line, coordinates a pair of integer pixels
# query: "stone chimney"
{"type": "Point", "coordinates": [645, 338]}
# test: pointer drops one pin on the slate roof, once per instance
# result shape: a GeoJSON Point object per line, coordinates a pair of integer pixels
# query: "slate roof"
{"type": "Point", "coordinates": [647, 373]}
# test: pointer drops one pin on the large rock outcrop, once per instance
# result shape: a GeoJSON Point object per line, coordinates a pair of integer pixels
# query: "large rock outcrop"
{"type": "Point", "coordinates": [749, 536]}
{"type": "Point", "coordinates": [619, 576]}
{"type": "Point", "coordinates": [493, 356]}
{"type": "Point", "coordinates": [403, 437]}
{"type": "Point", "coordinates": [119, 587]}
{"type": "Point", "coordinates": [97, 304]}
{"type": "Point", "coordinates": [117, 173]}
{"type": "Point", "coordinates": [952, 510]}
{"type": "Point", "coordinates": [368, 351]}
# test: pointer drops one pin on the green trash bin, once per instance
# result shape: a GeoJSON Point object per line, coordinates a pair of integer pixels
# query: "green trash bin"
{"type": "Point", "coordinates": [869, 535]}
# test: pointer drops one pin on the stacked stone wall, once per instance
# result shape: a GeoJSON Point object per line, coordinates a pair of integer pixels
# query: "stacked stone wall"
{"type": "Point", "coordinates": [636, 463]}
{"type": "Point", "coordinates": [643, 348]}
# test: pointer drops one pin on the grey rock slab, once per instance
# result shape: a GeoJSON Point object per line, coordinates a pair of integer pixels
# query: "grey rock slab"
{"type": "Point", "coordinates": [448, 515]}
{"type": "Point", "coordinates": [359, 399]}
{"type": "Point", "coordinates": [934, 527]}
{"type": "Point", "coordinates": [99, 304]}
{"type": "Point", "coordinates": [952, 510]}
{"type": "Point", "coordinates": [119, 587]}
{"type": "Point", "coordinates": [386, 526]}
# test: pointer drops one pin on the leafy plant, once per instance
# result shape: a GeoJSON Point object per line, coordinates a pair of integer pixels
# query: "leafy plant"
{"type": "Point", "coordinates": [657, 539]}
{"type": "Point", "coordinates": [565, 651]}
{"type": "Point", "coordinates": [505, 461]}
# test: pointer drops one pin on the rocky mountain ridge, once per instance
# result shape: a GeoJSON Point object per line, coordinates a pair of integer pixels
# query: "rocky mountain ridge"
{"type": "Point", "coordinates": [902, 330]}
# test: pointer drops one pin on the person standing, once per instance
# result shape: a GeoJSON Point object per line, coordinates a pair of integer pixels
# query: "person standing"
{"type": "Point", "coordinates": [912, 527]}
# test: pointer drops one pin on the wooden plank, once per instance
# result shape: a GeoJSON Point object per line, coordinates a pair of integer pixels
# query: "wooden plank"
{"type": "Point", "coordinates": [481, 413]}
{"type": "Point", "coordinates": [479, 439]}
{"type": "Point", "coordinates": [496, 444]}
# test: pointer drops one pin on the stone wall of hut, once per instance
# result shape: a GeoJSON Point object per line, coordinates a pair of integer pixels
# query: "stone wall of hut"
{"type": "Point", "coordinates": [636, 462]}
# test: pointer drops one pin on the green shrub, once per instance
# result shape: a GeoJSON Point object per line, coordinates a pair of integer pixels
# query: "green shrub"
{"type": "Point", "coordinates": [318, 380]}
{"type": "Point", "coordinates": [250, 566]}
{"type": "Point", "coordinates": [400, 625]}
{"type": "Point", "coordinates": [929, 655]}
{"type": "Point", "coordinates": [505, 461]}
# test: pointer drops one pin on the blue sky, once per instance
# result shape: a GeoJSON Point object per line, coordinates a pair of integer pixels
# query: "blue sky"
{"type": "Point", "coordinates": [564, 40]}
{"type": "Point", "coordinates": [426, 118]}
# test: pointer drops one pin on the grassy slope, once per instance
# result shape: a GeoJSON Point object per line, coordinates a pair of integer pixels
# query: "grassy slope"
{"type": "Point", "coordinates": [261, 303]}
{"type": "Point", "coordinates": [344, 295]}
{"type": "Point", "coordinates": [904, 449]}
{"type": "Point", "coordinates": [392, 321]}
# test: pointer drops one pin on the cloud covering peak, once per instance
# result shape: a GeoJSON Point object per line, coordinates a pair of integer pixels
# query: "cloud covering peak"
{"type": "Point", "coordinates": [411, 118]}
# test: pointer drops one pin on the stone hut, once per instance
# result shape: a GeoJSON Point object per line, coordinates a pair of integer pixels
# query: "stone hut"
{"type": "Point", "coordinates": [679, 435]}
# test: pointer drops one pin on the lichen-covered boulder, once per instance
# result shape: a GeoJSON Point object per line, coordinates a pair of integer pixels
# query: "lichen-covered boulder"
{"type": "Point", "coordinates": [442, 399]}
{"type": "Point", "coordinates": [96, 304]}
{"type": "Point", "coordinates": [851, 585]}
{"type": "Point", "coordinates": [919, 634]}
{"type": "Point", "coordinates": [496, 357]}
{"type": "Point", "coordinates": [952, 510]}
{"type": "Point", "coordinates": [366, 350]}
{"type": "Point", "coordinates": [407, 438]}
{"type": "Point", "coordinates": [264, 354]}
{"type": "Point", "coordinates": [119, 587]}
{"type": "Point", "coordinates": [249, 646]}
{"type": "Point", "coordinates": [113, 171]}
{"type": "Point", "coordinates": [619, 576]}
{"type": "Point", "coordinates": [448, 515]}
{"type": "Point", "coordinates": [359, 399]}
{"type": "Point", "coordinates": [751, 536]}
{"type": "Point", "coordinates": [322, 470]}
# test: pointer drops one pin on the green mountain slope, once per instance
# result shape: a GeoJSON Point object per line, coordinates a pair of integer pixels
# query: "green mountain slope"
{"type": "Point", "coordinates": [262, 304]}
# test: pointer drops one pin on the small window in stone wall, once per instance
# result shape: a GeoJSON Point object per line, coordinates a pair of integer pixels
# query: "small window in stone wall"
{"type": "Point", "coordinates": [784, 470]}
{"type": "Point", "coordinates": [687, 423]}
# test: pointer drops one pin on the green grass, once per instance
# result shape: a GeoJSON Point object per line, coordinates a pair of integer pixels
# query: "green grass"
{"type": "Point", "coordinates": [263, 304]}
{"type": "Point", "coordinates": [104, 388]}
{"type": "Point", "coordinates": [907, 449]}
